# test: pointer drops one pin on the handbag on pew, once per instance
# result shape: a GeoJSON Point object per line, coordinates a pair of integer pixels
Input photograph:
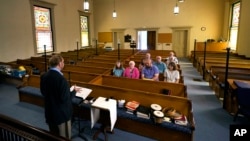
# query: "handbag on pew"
{"type": "Point", "coordinates": [166, 92]}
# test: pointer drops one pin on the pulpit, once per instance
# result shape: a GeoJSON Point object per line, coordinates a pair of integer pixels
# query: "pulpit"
{"type": "Point", "coordinates": [106, 108]}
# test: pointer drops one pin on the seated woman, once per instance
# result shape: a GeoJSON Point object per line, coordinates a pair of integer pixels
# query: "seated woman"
{"type": "Point", "coordinates": [171, 74]}
{"type": "Point", "coordinates": [118, 69]}
{"type": "Point", "coordinates": [131, 71]}
{"type": "Point", "coordinates": [171, 58]}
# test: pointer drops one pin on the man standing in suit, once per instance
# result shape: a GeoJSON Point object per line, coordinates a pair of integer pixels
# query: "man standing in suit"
{"type": "Point", "coordinates": [57, 98]}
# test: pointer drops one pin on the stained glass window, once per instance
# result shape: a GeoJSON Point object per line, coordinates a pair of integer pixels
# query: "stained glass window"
{"type": "Point", "coordinates": [43, 29]}
{"type": "Point", "coordinates": [84, 31]}
{"type": "Point", "coordinates": [235, 17]}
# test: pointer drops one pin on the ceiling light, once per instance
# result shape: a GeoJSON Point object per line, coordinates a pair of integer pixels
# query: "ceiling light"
{"type": "Point", "coordinates": [114, 12]}
{"type": "Point", "coordinates": [176, 9]}
{"type": "Point", "coordinates": [86, 5]}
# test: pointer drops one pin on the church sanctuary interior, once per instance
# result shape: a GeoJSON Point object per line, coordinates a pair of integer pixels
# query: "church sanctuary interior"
{"type": "Point", "coordinates": [210, 39]}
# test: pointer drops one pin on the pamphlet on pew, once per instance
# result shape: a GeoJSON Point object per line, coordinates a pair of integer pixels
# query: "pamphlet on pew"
{"type": "Point", "coordinates": [83, 92]}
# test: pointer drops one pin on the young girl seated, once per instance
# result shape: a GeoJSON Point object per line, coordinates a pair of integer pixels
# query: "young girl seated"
{"type": "Point", "coordinates": [118, 69]}
{"type": "Point", "coordinates": [171, 74]}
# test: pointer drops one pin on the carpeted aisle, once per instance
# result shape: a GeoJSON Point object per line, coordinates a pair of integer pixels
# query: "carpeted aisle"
{"type": "Point", "coordinates": [212, 121]}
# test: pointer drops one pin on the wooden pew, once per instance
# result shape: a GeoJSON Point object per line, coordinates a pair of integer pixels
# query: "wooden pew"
{"type": "Point", "coordinates": [215, 70]}
{"type": "Point", "coordinates": [230, 65]}
{"type": "Point", "coordinates": [200, 56]}
{"type": "Point", "coordinates": [142, 85]}
{"type": "Point", "coordinates": [220, 81]}
{"type": "Point", "coordinates": [41, 66]}
{"type": "Point", "coordinates": [144, 128]}
{"type": "Point", "coordinates": [29, 91]}
{"type": "Point", "coordinates": [155, 53]}
{"type": "Point", "coordinates": [79, 76]}
{"type": "Point", "coordinates": [95, 64]}
{"type": "Point", "coordinates": [87, 69]}
{"type": "Point", "coordinates": [145, 98]}
{"type": "Point", "coordinates": [210, 63]}
{"type": "Point", "coordinates": [231, 101]}
{"type": "Point", "coordinates": [200, 60]}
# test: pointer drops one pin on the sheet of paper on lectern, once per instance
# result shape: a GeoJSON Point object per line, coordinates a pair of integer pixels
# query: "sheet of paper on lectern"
{"type": "Point", "coordinates": [83, 92]}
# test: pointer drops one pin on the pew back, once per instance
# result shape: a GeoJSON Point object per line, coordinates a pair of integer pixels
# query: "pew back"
{"type": "Point", "coordinates": [142, 85]}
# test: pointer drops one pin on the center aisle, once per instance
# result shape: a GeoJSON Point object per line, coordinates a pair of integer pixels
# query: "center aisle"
{"type": "Point", "coordinates": [212, 121]}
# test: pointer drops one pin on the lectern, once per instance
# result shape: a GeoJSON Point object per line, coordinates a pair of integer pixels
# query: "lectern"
{"type": "Point", "coordinates": [107, 105]}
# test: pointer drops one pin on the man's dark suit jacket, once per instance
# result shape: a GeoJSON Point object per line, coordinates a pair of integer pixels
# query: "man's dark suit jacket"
{"type": "Point", "coordinates": [56, 91]}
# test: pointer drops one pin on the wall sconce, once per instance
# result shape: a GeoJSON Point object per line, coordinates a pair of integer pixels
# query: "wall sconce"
{"type": "Point", "coordinates": [86, 5]}
{"type": "Point", "coordinates": [176, 9]}
{"type": "Point", "coordinates": [114, 12]}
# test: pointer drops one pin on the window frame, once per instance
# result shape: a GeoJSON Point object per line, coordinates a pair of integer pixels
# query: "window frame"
{"type": "Point", "coordinates": [49, 6]}
{"type": "Point", "coordinates": [81, 13]}
{"type": "Point", "coordinates": [233, 28]}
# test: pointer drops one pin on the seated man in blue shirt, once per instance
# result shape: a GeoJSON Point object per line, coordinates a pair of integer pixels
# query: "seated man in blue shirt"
{"type": "Point", "coordinates": [149, 71]}
{"type": "Point", "coordinates": [159, 64]}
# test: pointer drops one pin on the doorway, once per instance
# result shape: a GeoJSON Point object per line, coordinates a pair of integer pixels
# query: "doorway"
{"type": "Point", "coordinates": [180, 40]}
{"type": "Point", "coordinates": [146, 39]}
{"type": "Point", "coordinates": [118, 37]}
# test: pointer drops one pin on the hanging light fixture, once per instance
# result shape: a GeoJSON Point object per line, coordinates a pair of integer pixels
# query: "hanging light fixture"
{"type": "Point", "coordinates": [181, 0]}
{"type": "Point", "coordinates": [86, 5]}
{"type": "Point", "coordinates": [176, 9]}
{"type": "Point", "coordinates": [114, 12]}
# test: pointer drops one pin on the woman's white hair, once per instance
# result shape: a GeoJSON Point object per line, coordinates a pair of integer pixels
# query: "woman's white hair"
{"type": "Point", "coordinates": [132, 62]}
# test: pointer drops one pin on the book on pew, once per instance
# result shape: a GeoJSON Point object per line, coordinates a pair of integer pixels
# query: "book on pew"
{"type": "Point", "coordinates": [82, 93]}
{"type": "Point", "coordinates": [132, 106]}
{"type": "Point", "coordinates": [143, 112]}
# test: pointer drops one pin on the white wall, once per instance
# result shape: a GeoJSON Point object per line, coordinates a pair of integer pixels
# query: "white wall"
{"type": "Point", "coordinates": [243, 46]}
{"type": "Point", "coordinates": [132, 14]}
{"type": "Point", "coordinates": [16, 36]}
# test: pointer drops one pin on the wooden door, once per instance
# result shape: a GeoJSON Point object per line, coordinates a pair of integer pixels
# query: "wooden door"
{"type": "Point", "coordinates": [151, 39]}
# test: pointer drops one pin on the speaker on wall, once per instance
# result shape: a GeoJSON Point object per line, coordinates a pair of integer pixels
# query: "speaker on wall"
{"type": "Point", "coordinates": [127, 38]}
